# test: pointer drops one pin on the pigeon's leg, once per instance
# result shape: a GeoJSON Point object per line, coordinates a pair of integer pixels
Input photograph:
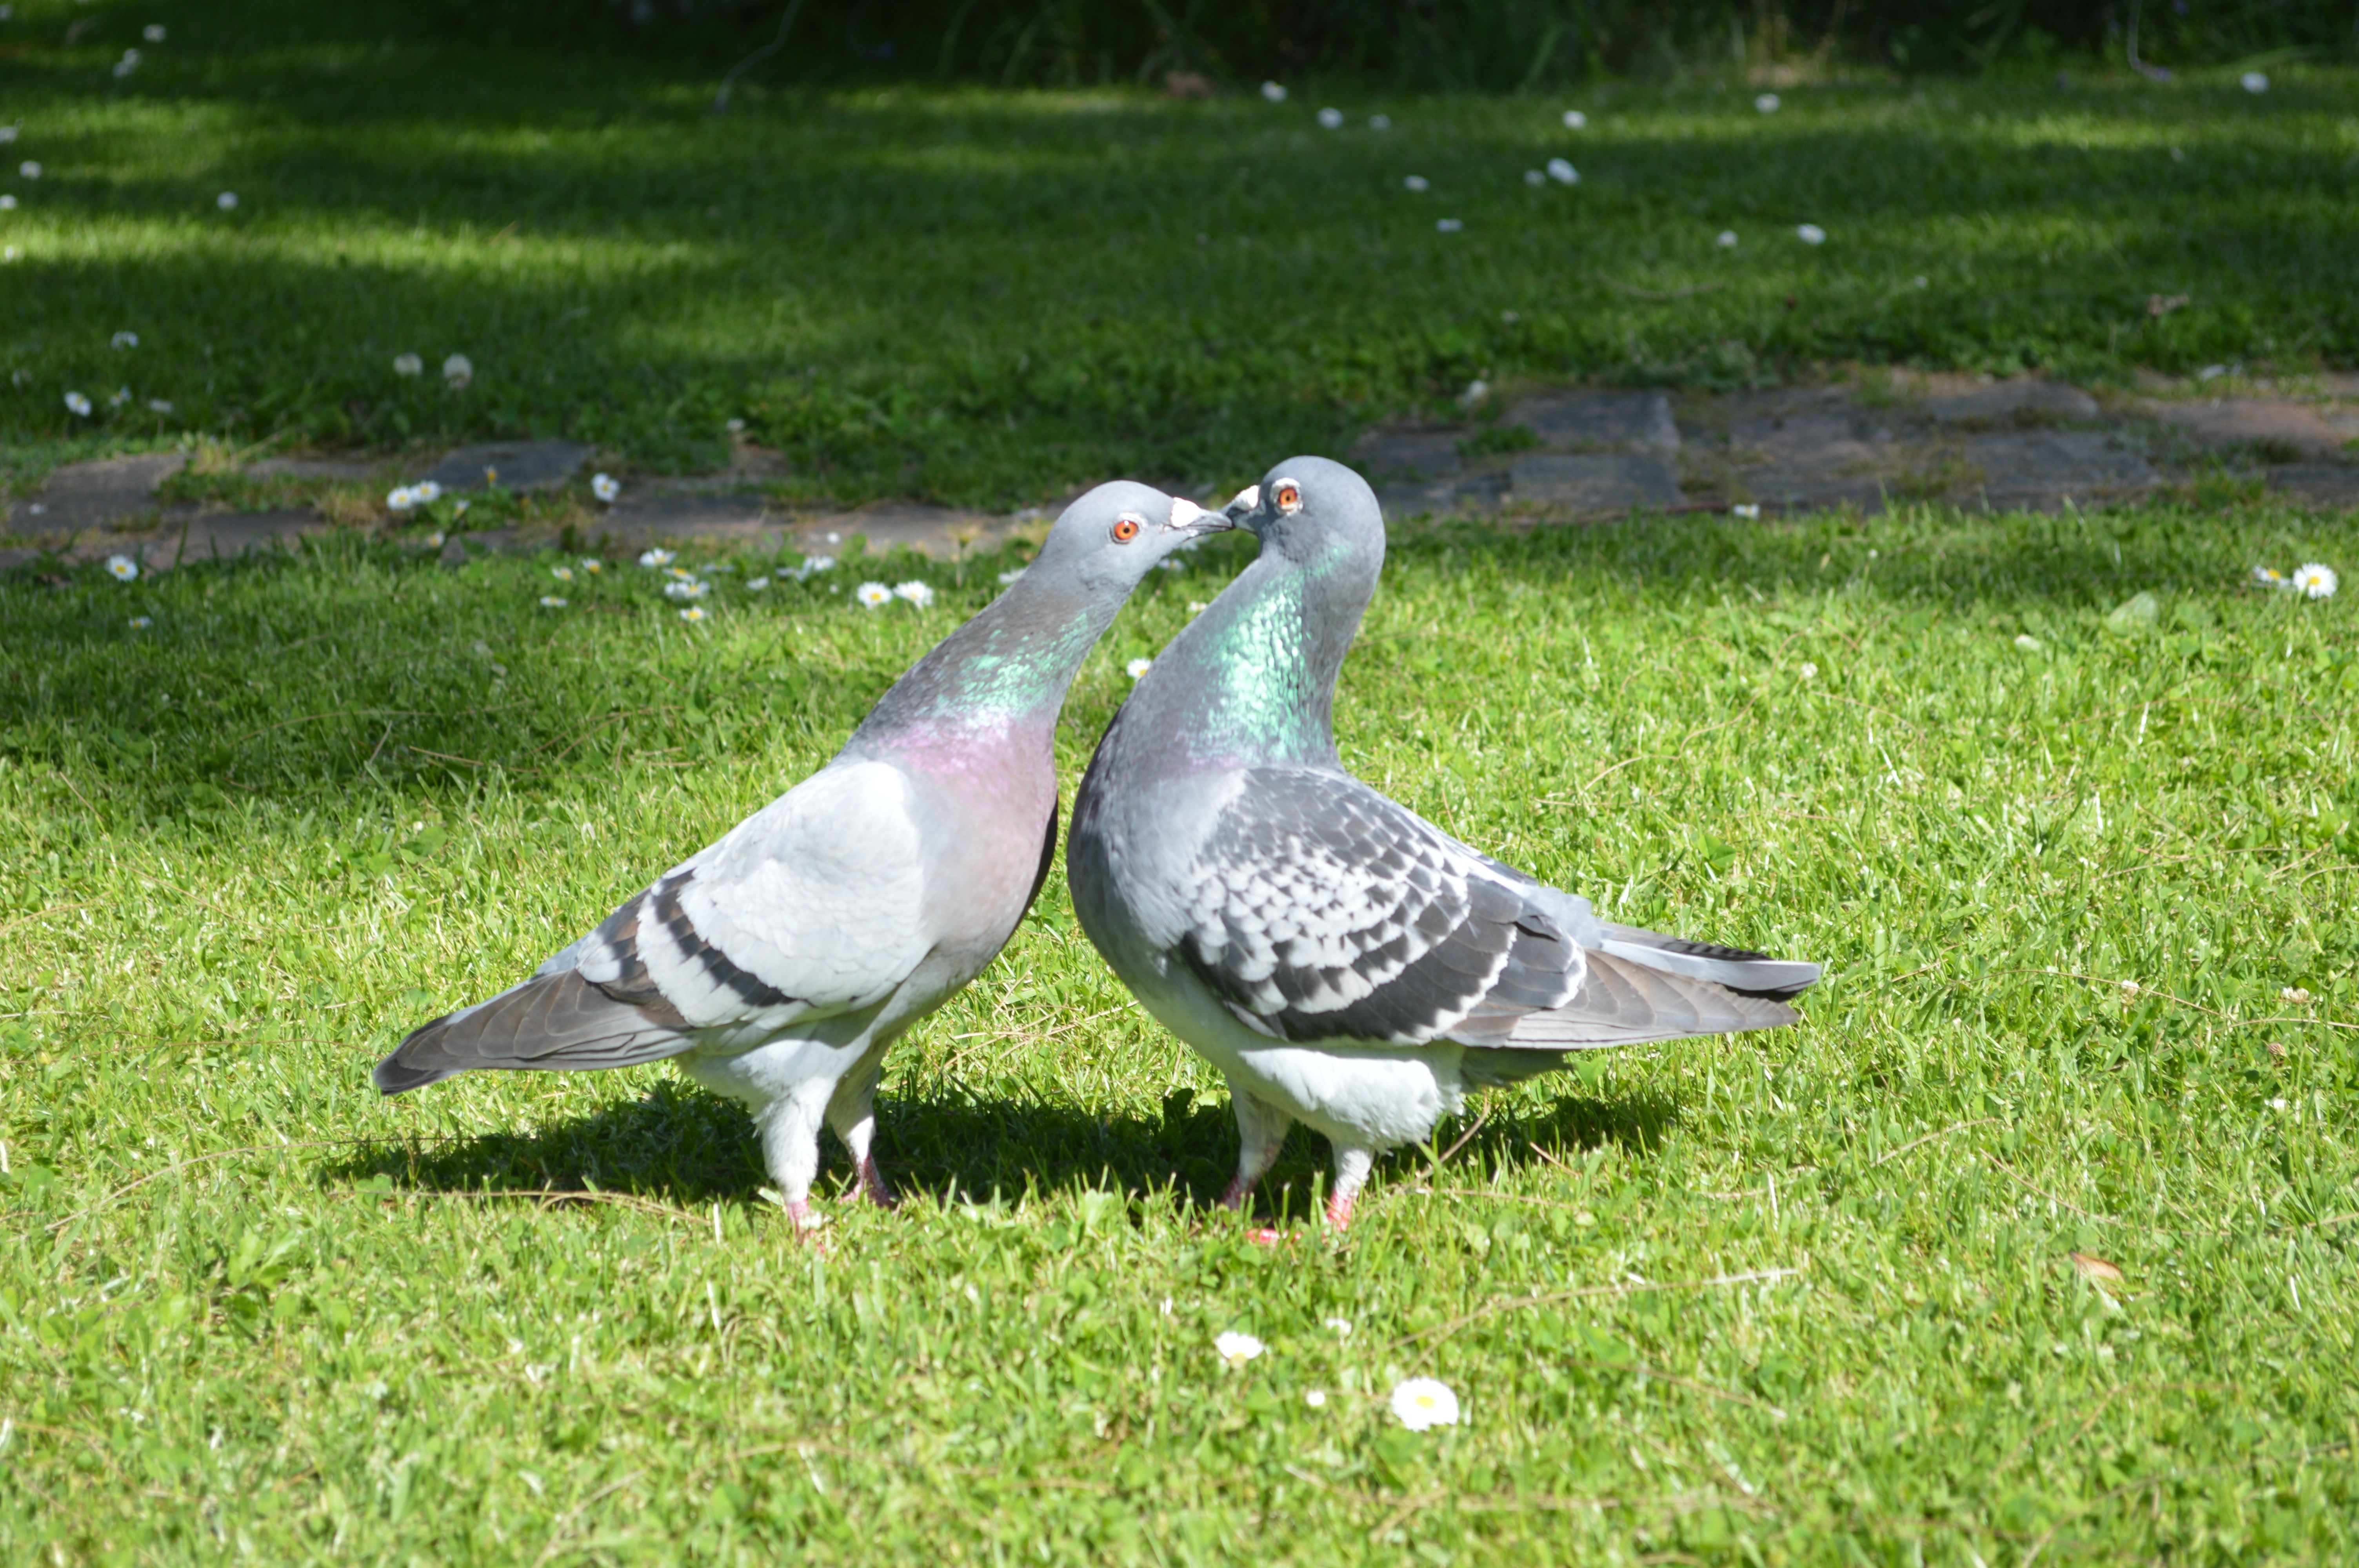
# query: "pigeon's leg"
{"type": "Point", "coordinates": [1261, 1131]}
{"type": "Point", "coordinates": [853, 1114]}
{"type": "Point", "coordinates": [789, 1129]}
{"type": "Point", "coordinates": [1351, 1168]}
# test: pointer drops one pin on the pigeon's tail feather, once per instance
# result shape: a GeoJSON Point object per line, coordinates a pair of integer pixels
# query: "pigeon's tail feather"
{"type": "Point", "coordinates": [1623, 1003]}
{"type": "Point", "coordinates": [559, 1021]}
{"type": "Point", "coordinates": [1754, 974]}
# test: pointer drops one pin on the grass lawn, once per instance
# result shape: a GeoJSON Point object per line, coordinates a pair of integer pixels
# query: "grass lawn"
{"type": "Point", "coordinates": [988, 298]}
{"type": "Point", "coordinates": [1803, 1297]}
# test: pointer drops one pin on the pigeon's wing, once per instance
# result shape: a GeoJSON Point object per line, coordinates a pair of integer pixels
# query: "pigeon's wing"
{"type": "Point", "coordinates": [1319, 910]}
{"type": "Point", "coordinates": [811, 906]}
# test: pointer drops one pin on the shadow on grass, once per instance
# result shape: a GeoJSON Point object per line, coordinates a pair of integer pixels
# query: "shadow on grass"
{"type": "Point", "coordinates": [682, 1145]}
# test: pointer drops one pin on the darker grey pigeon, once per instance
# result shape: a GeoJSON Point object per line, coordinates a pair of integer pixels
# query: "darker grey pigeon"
{"type": "Point", "coordinates": [777, 965]}
{"type": "Point", "coordinates": [1342, 961]}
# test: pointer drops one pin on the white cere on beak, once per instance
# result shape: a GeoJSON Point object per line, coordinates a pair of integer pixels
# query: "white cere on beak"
{"type": "Point", "coordinates": [1248, 499]}
{"type": "Point", "coordinates": [1184, 511]}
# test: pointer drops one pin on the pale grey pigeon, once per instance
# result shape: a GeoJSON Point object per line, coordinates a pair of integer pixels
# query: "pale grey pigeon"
{"type": "Point", "coordinates": [1344, 962]}
{"type": "Point", "coordinates": [777, 964]}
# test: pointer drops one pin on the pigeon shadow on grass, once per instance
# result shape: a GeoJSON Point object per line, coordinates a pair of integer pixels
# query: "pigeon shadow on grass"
{"type": "Point", "coordinates": [678, 1144]}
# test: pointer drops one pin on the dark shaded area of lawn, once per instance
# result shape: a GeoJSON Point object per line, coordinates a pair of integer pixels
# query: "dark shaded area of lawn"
{"type": "Point", "coordinates": [987, 297]}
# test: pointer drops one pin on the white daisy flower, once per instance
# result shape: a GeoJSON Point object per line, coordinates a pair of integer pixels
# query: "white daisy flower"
{"type": "Point", "coordinates": [141, 623]}
{"type": "Point", "coordinates": [153, 32]}
{"type": "Point", "coordinates": [125, 339]}
{"type": "Point", "coordinates": [652, 557]}
{"type": "Point", "coordinates": [1745, 509]}
{"type": "Point", "coordinates": [122, 568]}
{"type": "Point", "coordinates": [915, 592]}
{"type": "Point", "coordinates": [458, 507]}
{"type": "Point", "coordinates": [1139, 668]}
{"type": "Point", "coordinates": [407, 364]}
{"type": "Point", "coordinates": [680, 574]}
{"type": "Point", "coordinates": [1810, 234]}
{"type": "Point", "coordinates": [1766, 103]}
{"type": "Point", "coordinates": [159, 406]}
{"type": "Point", "coordinates": [593, 563]}
{"type": "Point", "coordinates": [1332, 118]}
{"type": "Point", "coordinates": [1563, 173]}
{"type": "Point", "coordinates": [2297, 995]}
{"type": "Point", "coordinates": [2315, 581]}
{"type": "Point", "coordinates": [693, 613]}
{"type": "Point", "coordinates": [690, 588]}
{"type": "Point", "coordinates": [427, 491]}
{"type": "Point", "coordinates": [1424, 1402]}
{"type": "Point", "coordinates": [1534, 178]}
{"type": "Point", "coordinates": [1010, 575]}
{"type": "Point", "coordinates": [1272, 93]}
{"type": "Point", "coordinates": [10, 254]}
{"type": "Point", "coordinates": [401, 498]}
{"type": "Point", "coordinates": [127, 64]}
{"type": "Point", "coordinates": [562, 574]}
{"type": "Point", "coordinates": [434, 540]}
{"type": "Point", "coordinates": [457, 371]}
{"type": "Point", "coordinates": [226, 201]}
{"type": "Point", "coordinates": [1315, 1398]}
{"type": "Point", "coordinates": [551, 602]}
{"type": "Point", "coordinates": [2268, 576]}
{"type": "Point", "coordinates": [29, 168]}
{"type": "Point", "coordinates": [874, 595]}
{"type": "Point", "coordinates": [1449, 225]}
{"type": "Point", "coordinates": [1197, 607]}
{"type": "Point", "coordinates": [736, 427]}
{"type": "Point", "coordinates": [1342, 1326]}
{"type": "Point", "coordinates": [2027, 641]}
{"type": "Point", "coordinates": [1417, 182]}
{"type": "Point", "coordinates": [1574, 119]}
{"type": "Point", "coordinates": [1236, 1348]}
{"type": "Point", "coordinates": [7, 134]}
{"type": "Point", "coordinates": [756, 584]}
{"type": "Point", "coordinates": [7, 204]}
{"type": "Point", "coordinates": [78, 404]}
{"type": "Point", "coordinates": [1727, 239]}
{"type": "Point", "coordinates": [2253, 81]}
{"type": "Point", "coordinates": [121, 395]}
{"type": "Point", "coordinates": [1380, 121]}
{"type": "Point", "coordinates": [1172, 566]}
{"type": "Point", "coordinates": [604, 487]}
{"type": "Point", "coordinates": [1807, 671]}
{"type": "Point", "coordinates": [813, 566]}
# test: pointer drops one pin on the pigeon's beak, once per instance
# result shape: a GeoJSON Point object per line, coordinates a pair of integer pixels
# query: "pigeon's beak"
{"type": "Point", "coordinates": [1243, 505]}
{"type": "Point", "coordinates": [1191, 521]}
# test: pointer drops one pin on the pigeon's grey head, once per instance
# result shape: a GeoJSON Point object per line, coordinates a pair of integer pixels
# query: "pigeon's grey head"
{"type": "Point", "coordinates": [1310, 510]}
{"type": "Point", "coordinates": [1111, 539]}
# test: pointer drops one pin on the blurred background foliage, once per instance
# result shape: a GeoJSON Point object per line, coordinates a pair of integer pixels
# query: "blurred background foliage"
{"type": "Point", "coordinates": [1489, 45]}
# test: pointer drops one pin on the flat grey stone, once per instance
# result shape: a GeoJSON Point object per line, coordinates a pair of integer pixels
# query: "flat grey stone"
{"type": "Point", "coordinates": [520, 465]}
{"type": "Point", "coordinates": [2043, 469]}
{"type": "Point", "coordinates": [1465, 497]}
{"type": "Point", "coordinates": [2256, 421]}
{"type": "Point", "coordinates": [639, 520]}
{"type": "Point", "coordinates": [1596, 481]}
{"type": "Point", "coordinates": [311, 468]}
{"type": "Point", "coordinates": [458, 549]}
{"type": "Point", "coordinates": [1599, 420]}
{"type": "Point", "coordinates": [2013, 400]}
{"type": "Point", "coordinates": [185, 536]}
{"type": "Point", "coordinates": [93, 494]}
{"type": "Point", "coordinates": [1815, 454]}
{"type": "Point", "coordinates": [2329, 486]}
{"type": "Point", "coordinates": [1417, 454]}
{"type": "Point", "coordinates": [936, 531]}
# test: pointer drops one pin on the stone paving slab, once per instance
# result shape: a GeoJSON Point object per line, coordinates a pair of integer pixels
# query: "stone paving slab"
{"type": "Point", "coordinates": [639, 520]}
{"type": "Point", "coordinates": [1417, 454]}
{"type": "Point", "coordinates": [1596, 481]}
{"type": "Point", "coordinates": [2327, 486]}
{"type": "Point", "coordinates": [2251, 421]}
{"type": "Point", "coordinates": [520, 465]}
{"type": "Point", "coordinates": [940, 532]}
{"type": "Point", "coordinates": [342, 469]}
{"type": "Point", "coordinates": [2040, 469]}
{"type": "Point", "coordinates": [93, 494]}
{"type": "Point", "coordinates": [1599, 420]}
{"type": "Point", "coordinates": [185, 535]}
{"type": "Point", "coordinates": [2015, 400]}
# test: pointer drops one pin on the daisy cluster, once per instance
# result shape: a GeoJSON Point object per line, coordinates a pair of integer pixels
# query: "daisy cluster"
{"type": "Point", "coordinates": [410, 497]}
{"type": "Point", "coordinates": [1420, 1404]}
{"type": "Point", "coordinates": [2311, 580]}
{"type": "Point", "coordinates": [877, 595]}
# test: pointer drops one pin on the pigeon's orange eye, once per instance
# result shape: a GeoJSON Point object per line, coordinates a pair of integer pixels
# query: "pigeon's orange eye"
{"type": "Point", "coordinates": [1126, 529]}
{"type": "Point", "coordinates": [1289, 496]}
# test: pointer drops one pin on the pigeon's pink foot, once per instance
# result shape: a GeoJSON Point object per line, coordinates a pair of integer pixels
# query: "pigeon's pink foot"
{"type": "Point", "coordinates": [808, 1227]}
{"type": "Point", "coordinates": [1339, 1213]}
{"type": "Point", "coordinates": [1239, 1189]}
{"type": "Point", "coordinates": [1264, 1236]}
{"type": "Point", "coordinates": [875, 1188]}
